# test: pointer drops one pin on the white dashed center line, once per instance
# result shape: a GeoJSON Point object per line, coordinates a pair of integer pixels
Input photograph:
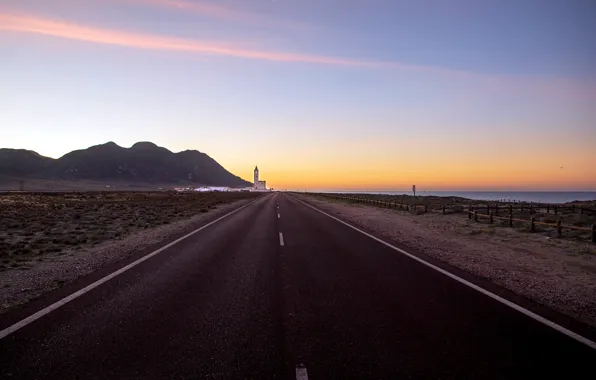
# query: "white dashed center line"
{"type": "Point", "coordinates": [281, 239]}
{"type": "Point", "coordinates": [301, 373]}
{"type": "Point", "coordinates": [278, 216]}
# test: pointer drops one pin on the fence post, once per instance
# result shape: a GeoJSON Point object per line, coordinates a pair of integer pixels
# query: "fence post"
{"type": "Point", "coordinates": [555, 207]}
{"type": "Point", "coordinates": [497, 210]}
{"type": "Point", "coordinates": [510, 209]}
{"type": "Point", "coordinates": [443, 209]}
{"type": "Point", "coordinates": [522, 207]}
{"type": "Point", "coordinates": [559, 229]}
{"type": "Point", "coordinates": [593, 233]}
{"type": "Point", "coordinates": [475, 216]}
{"type": "Point", "coordinates": [531, 209]}
{"type": "Point", "coordinates": [469, 214]}
{"type": "Point", "coordinates": [581, 210]}
{"type": "Point", "coordinates": [548, 209]}
{"type": "Point", "coordinates": [573, 209]}
{"type": "Point", "coordinates": [490, 218]}
{"type": "Point", "coordinates": [510, 220]}
{"type": "Point", "coordinates": [426, 208]}
{"type": "Point", "coordinates": [532, 224]}
{"type": "Point", "coordinates": [487, 209]}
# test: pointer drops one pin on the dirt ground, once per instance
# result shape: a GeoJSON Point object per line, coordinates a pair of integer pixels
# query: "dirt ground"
{"type": "Point", "coordinates": [49, 240]}
{"type": "Point", "coordinates": [558, 273]}
{"type": "Point", "coordinates": [576, 217]}
{"type": "Point", "coordinates": [35, 227]}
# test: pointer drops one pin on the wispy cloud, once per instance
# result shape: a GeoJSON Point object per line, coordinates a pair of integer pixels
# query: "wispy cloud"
{"type": "Point", "coordinates": [38, 25]}
{"type": "Point", "coordinates": [217, 10]}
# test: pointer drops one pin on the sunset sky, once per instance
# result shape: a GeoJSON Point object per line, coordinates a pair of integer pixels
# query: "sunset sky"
{"type": "Point", "coordinates": [321, 94]}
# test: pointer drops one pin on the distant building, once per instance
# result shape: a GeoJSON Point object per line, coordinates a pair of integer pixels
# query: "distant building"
{"type": "Point", "coordinates": [259, 185]}
{"type": "Point", "coordinates": [211, 188]}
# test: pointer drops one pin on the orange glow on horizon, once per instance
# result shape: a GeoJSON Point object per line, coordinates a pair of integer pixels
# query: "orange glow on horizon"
{"type": "Point", "coordinates": [435, 174]}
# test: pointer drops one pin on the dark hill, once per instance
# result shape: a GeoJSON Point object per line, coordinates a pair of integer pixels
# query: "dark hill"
{"type": "Point", "coordinates": [22, 163]}
{"type": "Point", "coordinates": [144, 162]}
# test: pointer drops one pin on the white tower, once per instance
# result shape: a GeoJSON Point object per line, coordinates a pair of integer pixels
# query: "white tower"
{"type": "Point", "coordinates": [256, 176]}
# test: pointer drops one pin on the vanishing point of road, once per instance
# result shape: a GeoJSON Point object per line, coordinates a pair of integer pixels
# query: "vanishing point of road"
{"type": "Point", "coordinates": [279, 290]}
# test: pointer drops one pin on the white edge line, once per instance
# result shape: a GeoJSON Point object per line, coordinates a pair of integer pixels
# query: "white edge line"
{"type": "Point", "coordinates": [281, 239]}
{"type": "Point", "coordinates": [502, 300]}
{"type": "Point", "coordinates": [301, 373]}
{"type": "Point", "coordinates": [278, 216]}
{"type": "Point", "coordinates": [33, 317]}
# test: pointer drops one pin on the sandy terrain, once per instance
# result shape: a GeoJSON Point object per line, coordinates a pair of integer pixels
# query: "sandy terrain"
{"type": "Point", "coordinates": [43, 250]}
{"type": "Point", "coordinates": [558, 273]}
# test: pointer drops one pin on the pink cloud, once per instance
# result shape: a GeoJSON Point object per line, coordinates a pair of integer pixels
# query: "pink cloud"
{"type": "Point", "coordinates": [39, 25]}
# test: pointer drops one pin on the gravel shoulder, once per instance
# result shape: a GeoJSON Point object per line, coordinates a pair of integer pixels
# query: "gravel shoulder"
{"type": "Point", "coordinates": [558, 273]}
{"type": "Point", "coordinates": [20, 285]}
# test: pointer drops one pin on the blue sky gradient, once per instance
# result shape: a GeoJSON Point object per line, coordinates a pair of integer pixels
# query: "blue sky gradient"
{"type": "Point", "coordinates": [451, 94]}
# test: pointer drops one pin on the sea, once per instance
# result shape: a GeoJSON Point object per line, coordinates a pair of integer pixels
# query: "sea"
{"type": "Point", "coordinates": [503, 196]}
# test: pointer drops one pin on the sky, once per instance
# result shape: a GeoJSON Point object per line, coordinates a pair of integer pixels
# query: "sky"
{"type": "Point", "coordinates": [320, 94]}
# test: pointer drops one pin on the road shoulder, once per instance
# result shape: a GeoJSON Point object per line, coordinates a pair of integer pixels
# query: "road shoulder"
{"type": "Point", "coordinates": [24, 291]}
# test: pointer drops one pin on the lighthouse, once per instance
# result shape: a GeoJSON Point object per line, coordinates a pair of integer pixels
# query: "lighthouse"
{"type": "Point", "coordinates": [259, 185]}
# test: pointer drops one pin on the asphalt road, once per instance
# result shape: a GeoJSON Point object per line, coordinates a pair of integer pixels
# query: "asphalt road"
{"type": "Point", "coordinates": [232, 302]}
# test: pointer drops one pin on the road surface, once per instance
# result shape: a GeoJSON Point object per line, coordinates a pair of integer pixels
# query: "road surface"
{"type": "Point", "coordinates": [275, 285]}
